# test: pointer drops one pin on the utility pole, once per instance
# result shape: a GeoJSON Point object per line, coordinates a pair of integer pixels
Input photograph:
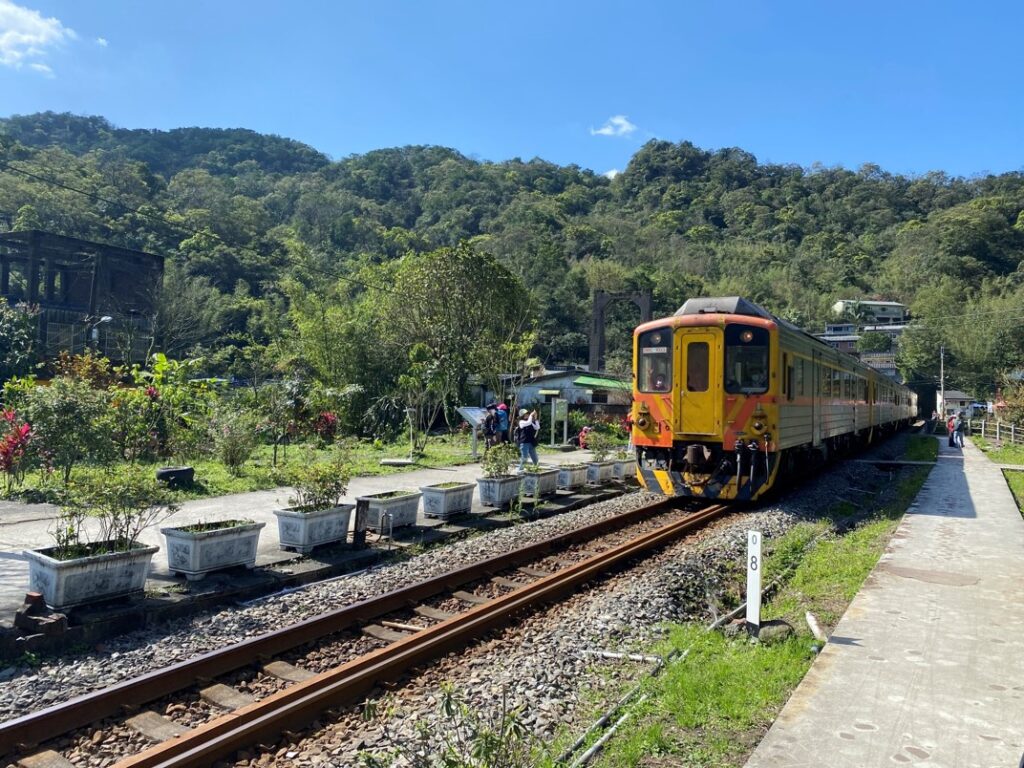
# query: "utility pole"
{"type": "Point", "coordinates": [942, 381]}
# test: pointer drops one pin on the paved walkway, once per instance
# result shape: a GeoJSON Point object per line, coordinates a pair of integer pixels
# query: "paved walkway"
{"type": "Point", "coordinates": [927, 664]}
{"type": "Point", "coordinates": [27, 526]}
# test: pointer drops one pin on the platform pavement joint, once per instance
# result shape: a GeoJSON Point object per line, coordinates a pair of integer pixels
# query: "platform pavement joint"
{"type": "Point", "coordinates": [927, 664]}
{"type": "Point", "coordinates": [24, 526]}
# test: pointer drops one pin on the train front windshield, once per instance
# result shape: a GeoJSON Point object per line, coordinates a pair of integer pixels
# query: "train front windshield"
{"type": "Point", "coordinates": [746, 360]}
{"type": "Point", "coordinates": [654, 355]}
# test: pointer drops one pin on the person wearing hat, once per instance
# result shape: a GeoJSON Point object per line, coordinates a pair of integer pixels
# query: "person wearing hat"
{"type": "Point", "coordinates": [529, 428]}
{"type": "Point", "coordinates": [502, 423]}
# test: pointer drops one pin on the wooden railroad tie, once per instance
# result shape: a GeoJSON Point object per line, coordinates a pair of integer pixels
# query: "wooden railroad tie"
{"type": "Point", "coordinates": [432, 613]}
{"type": "Point", "coordinates": [383, 633]}
{"type": "Point", "coordinates": [469, 597]}
{"type": "Point", "coordinates": [156, 727]}
{"type": "Point", "coordinates": [288, 672]}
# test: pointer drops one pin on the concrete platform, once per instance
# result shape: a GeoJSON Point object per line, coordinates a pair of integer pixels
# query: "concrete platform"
{"type": "Point", "coordinates": [927, 664]}
{"type": "Point", "coordinates": [27, 526]}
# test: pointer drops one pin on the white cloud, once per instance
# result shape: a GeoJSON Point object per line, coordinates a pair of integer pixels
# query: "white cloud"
{"type": "Point", "coordinates": [618, 125]}
{"type": "Point", "coordinates": [26, 36]}
{"type": "Point", "coordinates": [101, 42]}
{"type": "Point", "coordinates": [612, 173]}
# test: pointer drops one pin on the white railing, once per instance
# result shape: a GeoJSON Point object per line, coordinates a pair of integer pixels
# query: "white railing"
{"type": "Point", "coordinates": [997, 431]}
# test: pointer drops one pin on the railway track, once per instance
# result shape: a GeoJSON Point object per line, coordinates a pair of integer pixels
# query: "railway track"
{"type": "Point", "coordinates": [308, 695]}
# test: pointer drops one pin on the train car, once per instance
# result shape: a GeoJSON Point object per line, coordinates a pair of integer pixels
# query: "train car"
{"type": "Point", "coordinates": [728, 399]}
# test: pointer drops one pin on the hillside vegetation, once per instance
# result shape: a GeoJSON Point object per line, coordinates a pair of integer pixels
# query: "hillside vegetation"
{"type": "Point", "coordinates": [269, 242]}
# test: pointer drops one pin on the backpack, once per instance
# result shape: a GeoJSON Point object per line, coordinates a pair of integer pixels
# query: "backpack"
{"type": "Point", "coordinates": [489, 423]}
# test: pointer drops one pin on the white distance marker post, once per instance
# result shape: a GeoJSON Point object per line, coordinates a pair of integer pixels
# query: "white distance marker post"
{"type": "Point", "coordinates": [754, 578]}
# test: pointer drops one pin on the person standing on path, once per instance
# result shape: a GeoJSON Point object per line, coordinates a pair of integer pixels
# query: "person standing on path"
{"type": "Point", "coordinates": [950, 430]}
{"type": "Point", "coordinates": [958, 428]}
{"type": "Point", "coordinates": [502, 423]}
{"type": "Point", "coordinates": [490, 426]}
{"type": "Point", "coordinates": [529, 428]}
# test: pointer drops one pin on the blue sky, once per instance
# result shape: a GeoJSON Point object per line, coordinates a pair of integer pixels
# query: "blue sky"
{"type": "Point", "coordinates": [911, 86]}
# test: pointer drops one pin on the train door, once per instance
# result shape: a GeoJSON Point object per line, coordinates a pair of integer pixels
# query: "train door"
{"type": "Point", "coordinates": [700, 387]}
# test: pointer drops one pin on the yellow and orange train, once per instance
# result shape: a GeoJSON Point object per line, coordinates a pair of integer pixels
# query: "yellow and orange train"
{"type": "Point", "coordinates": [728, 399]}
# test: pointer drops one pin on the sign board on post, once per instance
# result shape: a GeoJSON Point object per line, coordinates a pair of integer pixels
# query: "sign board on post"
{"type": "Point", "coordinates": [754, 565]}
{"type": "Point", "coordinates": [559, 412]}
{"type": "Point", "coordinates": [475, 418]}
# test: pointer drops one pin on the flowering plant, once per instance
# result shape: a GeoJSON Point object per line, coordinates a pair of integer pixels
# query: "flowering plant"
{"type": "Point", "coordinates": [13, 443]}
{"type": "Point", "coordinates": [325, 426]}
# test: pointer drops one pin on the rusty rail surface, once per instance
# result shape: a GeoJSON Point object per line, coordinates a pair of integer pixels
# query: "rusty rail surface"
{"type": "Point", "coordinates": [23, 733]}
{"type": "Point", "coordinates": [300, 704]}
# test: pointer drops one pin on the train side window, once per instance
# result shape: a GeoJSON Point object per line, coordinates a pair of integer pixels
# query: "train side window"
{"type": "Point", "coordinates": [798, 378]}
{"type": "Point", "coordinates": [697, 355]}
{"type": "Point", "coordinates": [746, 359]}
{"type": "Point", "coordinates": [826, 382]}
{"type": "Point", "coordinates": [654, 356]}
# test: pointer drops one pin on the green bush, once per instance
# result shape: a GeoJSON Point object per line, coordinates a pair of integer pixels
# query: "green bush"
{"type": "Point", "coordinates": [70, 423]}
{"type": "Point", "coordinates": [123, 503]}
{"type": "Point", "coordinates": [233, 433]}
{"type": "Point", "coordinates": [318, 486]}
{"type": "Point", "coordinates": [600, 444]}
{"type": "Point", "coordinates": [498, 459]}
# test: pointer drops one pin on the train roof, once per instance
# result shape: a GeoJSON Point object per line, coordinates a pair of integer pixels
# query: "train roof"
{"type": "Point", "coordinates": [733, 308]}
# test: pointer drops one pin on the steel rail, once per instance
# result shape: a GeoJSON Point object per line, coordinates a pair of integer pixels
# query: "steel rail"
{"type": "Point", "coordinates": [23, 733]}
{"type": "Point", "coordinates": [300, 704]}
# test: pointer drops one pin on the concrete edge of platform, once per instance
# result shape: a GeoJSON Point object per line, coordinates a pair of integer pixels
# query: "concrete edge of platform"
{"type": "Point", "coordinates": [89, 625]}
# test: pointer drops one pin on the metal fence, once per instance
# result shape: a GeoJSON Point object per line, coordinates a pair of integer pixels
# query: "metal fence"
{"type": "Point", "coordinates": [996, 431]}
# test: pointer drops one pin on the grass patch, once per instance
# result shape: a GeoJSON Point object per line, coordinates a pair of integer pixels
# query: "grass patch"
{"type": "Point", "coordinates": [713, 707]}
{"type": "Point", "coordinates": [921, 448]}
{"type": "Point", "coordinates": [213, 479]}
{"type": "Point", "coordinates": [1000, 454]}
{"type": "Point", "coordinates": [1015, 479]}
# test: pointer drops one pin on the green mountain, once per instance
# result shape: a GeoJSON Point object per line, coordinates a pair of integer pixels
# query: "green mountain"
{"type": "Point", "coordinates": [240, 214]}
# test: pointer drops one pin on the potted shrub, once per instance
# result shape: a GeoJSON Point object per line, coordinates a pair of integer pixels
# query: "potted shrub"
{"type": "Point", "coordinates": [572, 475]}
{"type": "Point", "coordinates": [79, 570]}
{"type": "Point", "coordinates": [625, 465]}
{"type": "Point", "coordinates": [197, 549]}
{"type": "Point", "coordinates": [400, 507]}
{"type": "Point", "coordinates": [444, 500]}
{"type": "Point", "coordinates": [316, 515]}
{"type": "Point", "coordinates": [601, 469]}
{"type": "Point", "coordinates": [539, 480]}
{"type": "Point", "coordinates": [497, 487]}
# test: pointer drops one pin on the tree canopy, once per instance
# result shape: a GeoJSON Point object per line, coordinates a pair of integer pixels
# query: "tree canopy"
{"type": "Point", "coordinates": [270, 242]}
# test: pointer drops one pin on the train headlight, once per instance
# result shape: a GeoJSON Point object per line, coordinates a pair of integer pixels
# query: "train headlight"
{"type": "Point", "coordinates": [758, 427]}
{"type": "Point", "coordinates": [642, 422]}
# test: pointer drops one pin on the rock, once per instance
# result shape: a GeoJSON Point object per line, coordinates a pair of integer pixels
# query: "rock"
{"type": "Point", "coordinates": [774, 631]}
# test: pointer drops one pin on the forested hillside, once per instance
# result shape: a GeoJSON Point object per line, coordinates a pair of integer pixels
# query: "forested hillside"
{"type": "Point", "coordinates": [268, 239]}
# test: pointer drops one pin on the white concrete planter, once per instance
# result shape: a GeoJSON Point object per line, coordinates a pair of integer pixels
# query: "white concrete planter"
{"type": "Point", "coordinates": [67, 583]}
{"type": "Point", "coordinates": [542, 483]}
{"type": "Point", "coordinates": [625, 469]}
{"type": "Point", "coordinates": [600, 471]}
{"type": "Point", "coordinates": [572, 477]}
{"type": "Point", "coordinates": [498, 491]}
{"type": "Point", "coordinates": [304, 530]}
{"type": "Point", "coordinates": [401, 508]}
{"type": "Point", "coordinates": [442, 503]}
{"type": "Point", "coordinates": [196, 553]}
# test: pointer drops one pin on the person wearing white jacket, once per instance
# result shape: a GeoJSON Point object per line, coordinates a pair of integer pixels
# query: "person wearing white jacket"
{"type": "Point", "coordinates": [529, 429]}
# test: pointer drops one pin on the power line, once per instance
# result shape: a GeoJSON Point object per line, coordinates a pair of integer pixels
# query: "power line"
{"type": "Point", "coordinates": [163, 219]}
